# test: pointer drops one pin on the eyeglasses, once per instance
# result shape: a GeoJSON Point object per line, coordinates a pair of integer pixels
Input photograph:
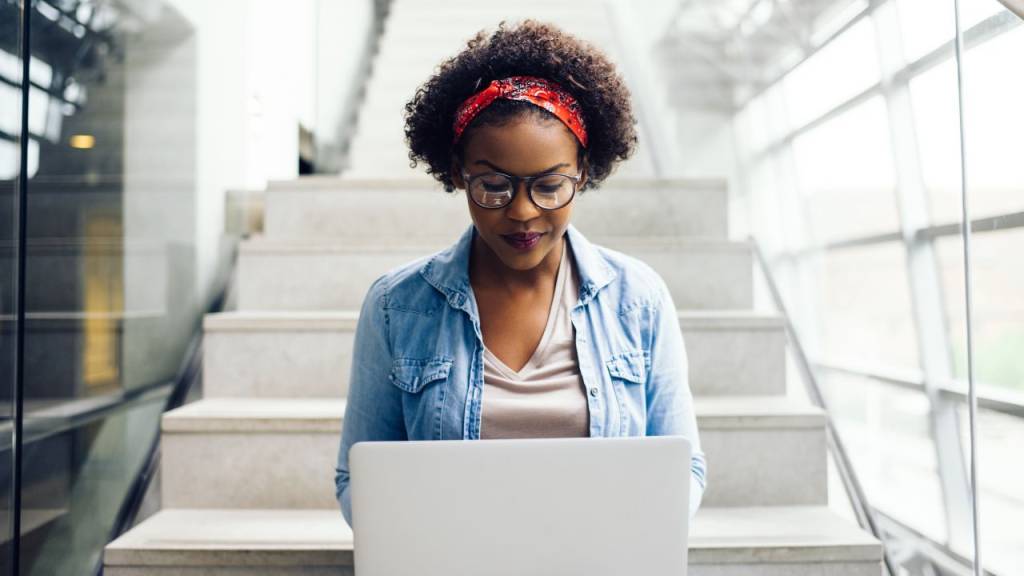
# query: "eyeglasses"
{"type": "Point", "coordinates": [547, 191]}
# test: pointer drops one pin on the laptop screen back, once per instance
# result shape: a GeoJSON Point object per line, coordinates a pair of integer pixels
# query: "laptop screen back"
{"type": "Point", "coordinates": [595, 506]}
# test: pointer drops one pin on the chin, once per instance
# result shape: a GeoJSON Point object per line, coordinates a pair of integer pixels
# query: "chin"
{"type": "Point", "coordinates": [520, 260]}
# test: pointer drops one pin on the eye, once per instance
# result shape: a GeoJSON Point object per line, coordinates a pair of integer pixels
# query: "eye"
{"type": "Point", "coordinates": [494, 186]}
{"type": "Point", "coordinates": [552, 184]}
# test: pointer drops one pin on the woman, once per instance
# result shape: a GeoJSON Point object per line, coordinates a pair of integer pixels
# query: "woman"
{"type": "Point", "coordinates": [523, 328]}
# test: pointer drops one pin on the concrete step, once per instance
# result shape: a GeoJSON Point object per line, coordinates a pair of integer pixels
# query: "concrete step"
{"type": "Point", "coordinates": [251, 453]}
{"type": "Point", "coordinates": [735, 353]}
{"type": "Point", "coordinates": [776, 541]}
{"type": "Point", "coordinates": [291, 275]}
{"type": "Point", "coordinates": [365, 211]}
{"type": "Point", "coordinates": [280, 452]}
{"type": "Point", "coordinates": [284, 354]}
{"type": "Point", "coordinates": [762, 451]}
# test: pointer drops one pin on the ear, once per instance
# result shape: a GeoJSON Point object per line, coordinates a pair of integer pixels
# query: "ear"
{"type": "Point", "coordinates": [456, 172]}
{"type": "Point", "coordinates": [584, 168]}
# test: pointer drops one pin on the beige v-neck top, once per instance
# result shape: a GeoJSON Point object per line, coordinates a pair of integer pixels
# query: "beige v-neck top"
{"type": "Point", "coordinates": [546, 398]}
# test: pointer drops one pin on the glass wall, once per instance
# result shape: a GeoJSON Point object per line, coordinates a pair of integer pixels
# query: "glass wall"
{"type": "Point", "coordinates": [112, 294]}
{"type": "Point", "coordinates": [851, 169]}
{"type": "Point", "coordinates": [10, 130]}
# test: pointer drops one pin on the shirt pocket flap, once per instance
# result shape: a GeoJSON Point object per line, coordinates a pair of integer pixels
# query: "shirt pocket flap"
{"type": "Point", "coordinates": [412, 374]}
{"type": "Point", "coordinates": [629, 366]}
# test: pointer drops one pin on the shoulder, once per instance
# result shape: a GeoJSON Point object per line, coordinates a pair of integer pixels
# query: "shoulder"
{"type": "Point", "coordinates": [636, 283]}
{"type": "Point", "coordinates": [404, 287]}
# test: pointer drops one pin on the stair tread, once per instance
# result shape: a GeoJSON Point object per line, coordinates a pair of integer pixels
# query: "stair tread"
{"type": "Point", "coordinates": [325, 414]}
{"type": "Point", "coordinates": [756, 412]}
{"type": "Point", "coordinates": [348, 183]}
{"type": "Point", "coordinates": [284, 320]}
{"type": "Point", "coordinates": [187, 537]}
{"type": "Point", "coordinates": [256, 415]}
{"type": "Point", "coordinates": [264, 244]}
{"type": "Point", "coordinates": [280, 320]}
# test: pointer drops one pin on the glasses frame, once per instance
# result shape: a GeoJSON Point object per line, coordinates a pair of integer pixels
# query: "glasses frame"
{"type": "Point", "coordinates": [515, 180]}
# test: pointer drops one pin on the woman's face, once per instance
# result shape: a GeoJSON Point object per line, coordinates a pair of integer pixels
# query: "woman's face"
{"type": "Point", "coordinates": [523, 147]}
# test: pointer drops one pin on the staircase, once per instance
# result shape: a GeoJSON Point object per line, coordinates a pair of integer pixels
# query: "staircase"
{"type": "Point", "coordinates": [248, 471]}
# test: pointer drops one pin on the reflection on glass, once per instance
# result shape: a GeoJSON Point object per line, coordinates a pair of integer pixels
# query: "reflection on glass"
{"type": "Point", "coordinates": [998, 308]}
{"type": "Point", "coordinates": [814, 87]}
{"type": "Point", "coordinates": [10, 129]}
{"type": "Point", "coordinates": [111, 297]}
{"type": "Point", "coordinates": [863, 310]}
{"type": "Point", "coordinates": [74, 482]}
{"type": "Point", "coordinates": [1001, 476]}
{"type": "Point", "coordinates": [845, 174]}
{"type": "Point", "coordinates": [886, 432]}
{"type": "Point", "coordinates": [994, 120]}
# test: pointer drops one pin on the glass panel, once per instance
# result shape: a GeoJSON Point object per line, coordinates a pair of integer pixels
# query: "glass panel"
{"type": "Point", "coordinates": [113, 296]}
{"type": "Point", "coordinates": [863, 311]}
{"type": "Point", "coordinates": [886, 433]}
{"type": "Point", "coordinates": [994, 122]}
{"type": "Point", "coordinates": [845, 174]}
{"type": "Point", "coordinates": [1001, 476]}
{"type": "Point", "coordinates": [993, 118]}
{"type": "Point", "coordinates": [10, 168]}
{"type": "Point", "coordinates": [838, 71]}
{"type": "Point", "coordinates": [936, 121]}
{"type": "Point", "coordinates": [994, 90]}
{"type": "Point", "coordinates": [998, 322]}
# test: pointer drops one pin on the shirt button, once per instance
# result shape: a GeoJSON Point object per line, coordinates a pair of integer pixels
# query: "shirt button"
{"type": "Point", "coordinates": [593, 392]}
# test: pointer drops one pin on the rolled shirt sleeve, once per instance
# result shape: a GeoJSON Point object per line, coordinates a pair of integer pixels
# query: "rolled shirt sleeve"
{"type": "Point", "coordinates": [373, 410]}
{"type": "Point", "coordinates": [670, 408]}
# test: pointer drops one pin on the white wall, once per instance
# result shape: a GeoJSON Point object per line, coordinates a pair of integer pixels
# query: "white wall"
{"type": "Point", "coordinates": [256, 67]}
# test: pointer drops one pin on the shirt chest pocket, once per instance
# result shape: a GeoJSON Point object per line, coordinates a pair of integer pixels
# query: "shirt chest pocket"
{"type": "Point", "coordinates": [628, 373]}
{"type": "Point", "coordinates": [628, 367]}
{"type": "Point", "coordinates": [414, 374]}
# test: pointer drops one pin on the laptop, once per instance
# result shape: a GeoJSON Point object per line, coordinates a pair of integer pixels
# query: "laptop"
{"type": "Point", "coordinates": [558, 506]}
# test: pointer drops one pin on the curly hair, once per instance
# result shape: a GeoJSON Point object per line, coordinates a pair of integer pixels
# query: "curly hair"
{"type": "Point", "coordinates": [528, 48]}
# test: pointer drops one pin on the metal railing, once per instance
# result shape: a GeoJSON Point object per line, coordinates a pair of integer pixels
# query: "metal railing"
{"type": "Point", "coordinates": [854, 490]}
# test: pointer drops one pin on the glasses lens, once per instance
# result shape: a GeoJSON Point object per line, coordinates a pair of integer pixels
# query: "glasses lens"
{"type": "Point", "coordinates": [552, 191]}
{"type": "Point", "coordinates": [491, 190]}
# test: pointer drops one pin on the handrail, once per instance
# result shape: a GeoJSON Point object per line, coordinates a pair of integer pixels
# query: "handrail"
{"type": "Point", "coordinates": [854, 490]}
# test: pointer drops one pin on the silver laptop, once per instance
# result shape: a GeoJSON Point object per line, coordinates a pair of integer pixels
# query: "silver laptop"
{"type": "Point", "coordinates": [594, 506]}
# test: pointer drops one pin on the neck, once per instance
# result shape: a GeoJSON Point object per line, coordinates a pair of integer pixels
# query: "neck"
{"type": "Point", "coordinates": [486, 270]}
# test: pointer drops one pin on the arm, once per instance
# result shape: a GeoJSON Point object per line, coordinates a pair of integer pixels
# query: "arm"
{"type": "Point", "coordinates": [374, 407]}
{"type": "Point", "coordinates": [669, 401]}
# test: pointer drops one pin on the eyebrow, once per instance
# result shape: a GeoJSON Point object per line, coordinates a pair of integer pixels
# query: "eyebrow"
{"type": "Point", "coordinates": [544, 171]}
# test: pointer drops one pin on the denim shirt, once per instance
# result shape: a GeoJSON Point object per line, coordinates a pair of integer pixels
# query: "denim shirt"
{"type": "Point", "coordinates": [417, 363]}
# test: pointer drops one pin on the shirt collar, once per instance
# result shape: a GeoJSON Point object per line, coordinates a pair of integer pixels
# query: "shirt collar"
{"type": "Point", "coordinates": [448, 270]}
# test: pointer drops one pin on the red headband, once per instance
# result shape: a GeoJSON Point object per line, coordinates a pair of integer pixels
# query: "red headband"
{"type": "Point", "coordinates": [543, 93]}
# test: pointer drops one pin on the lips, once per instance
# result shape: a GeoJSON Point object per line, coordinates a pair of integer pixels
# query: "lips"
{"type": "Point", "coordinates": [522, 240]}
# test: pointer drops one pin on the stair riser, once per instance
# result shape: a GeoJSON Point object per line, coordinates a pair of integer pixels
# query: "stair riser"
{"type": "Point", "coordinates": [249, 470]}
{"type": "Point", "coordinates": [316, 364]}
{"type": "Point", "coordinates": [213, 570]}
{"type": "Point", "coordinates": [364, 217]}
{"type": "Point", "coordinates": [326, 280]}
{"type": "Point", "coordinates": [765, 467]}
{"type": "Point", "coordinates": [760, 569]}
{"type": "Point", "coordinates": [736, 362]}
{"type": "Point", "coordinates": [296, 364]}
{"type": "Point", "coordinates": [808, 569]}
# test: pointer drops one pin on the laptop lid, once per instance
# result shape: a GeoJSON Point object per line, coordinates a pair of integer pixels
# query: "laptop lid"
{"type": "Point", "coordinates": [594, 506]}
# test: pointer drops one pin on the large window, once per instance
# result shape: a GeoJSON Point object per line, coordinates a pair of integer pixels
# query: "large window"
{"type": "Point", "coordinates": [851, 169]}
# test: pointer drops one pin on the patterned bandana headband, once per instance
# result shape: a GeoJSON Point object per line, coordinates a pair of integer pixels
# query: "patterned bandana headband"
{"type": "Point", "coordinates": [538, 91]}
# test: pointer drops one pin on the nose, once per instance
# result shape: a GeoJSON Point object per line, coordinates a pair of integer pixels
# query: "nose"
{"type": "Point", "coordinates": [521, 207]}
